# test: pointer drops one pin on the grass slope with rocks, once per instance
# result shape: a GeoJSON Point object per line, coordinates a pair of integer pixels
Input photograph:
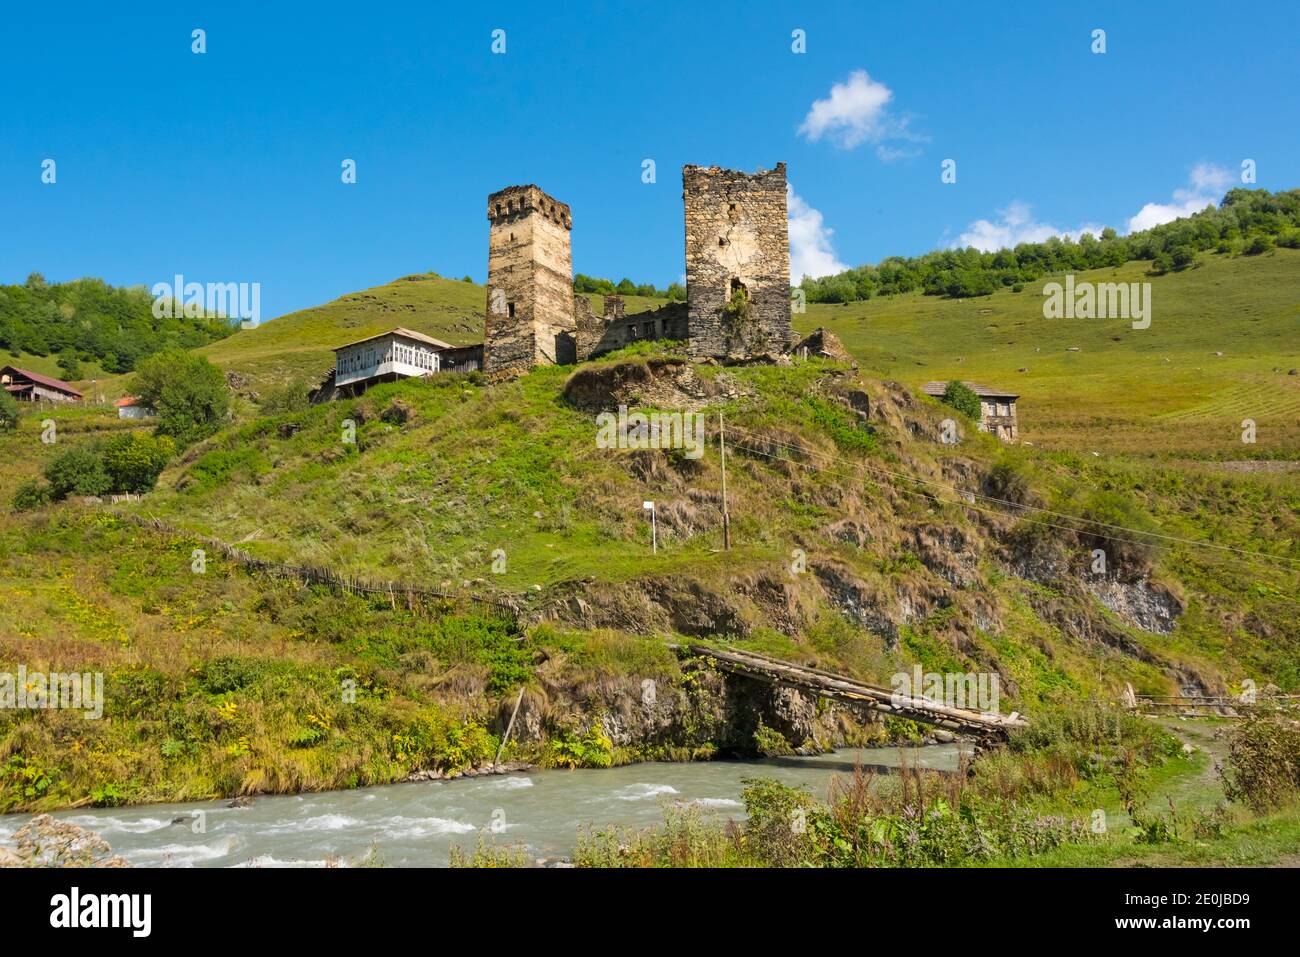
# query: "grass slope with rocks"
{"type": "Point", "coordinates": [861, 543]}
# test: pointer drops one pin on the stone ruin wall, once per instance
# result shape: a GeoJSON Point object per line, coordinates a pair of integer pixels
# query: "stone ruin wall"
{"type": "Point", "coordinates": [736, 233]}
{"type": "Point", "coordinates": [616, 328]}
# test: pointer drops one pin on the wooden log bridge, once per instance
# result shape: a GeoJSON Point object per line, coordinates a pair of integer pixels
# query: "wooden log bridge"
{"type": "Point", "coordinates": [850, 691]}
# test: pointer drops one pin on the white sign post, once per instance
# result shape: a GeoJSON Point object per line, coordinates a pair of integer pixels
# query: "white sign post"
{"type": "Point", "coordinates": [654, 531]}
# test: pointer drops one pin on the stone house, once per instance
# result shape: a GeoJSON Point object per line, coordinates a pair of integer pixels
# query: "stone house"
{"type": "Point", "coordinates": [997, 408]}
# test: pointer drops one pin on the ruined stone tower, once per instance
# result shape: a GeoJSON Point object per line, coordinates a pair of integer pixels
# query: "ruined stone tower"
{"type": "Point", "coordinates": [737, 261]}
{"type": "Point", "coordinates": [530, 283]}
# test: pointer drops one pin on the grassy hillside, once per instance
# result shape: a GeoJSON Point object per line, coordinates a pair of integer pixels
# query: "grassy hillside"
{"type": "Point", "coordinates": [516, 467]}
{"type": "Point", "coordinates": [860, 541]}
{"type": "Point", "coordinates": [1151, 391]}
{"type": "Point", "coordinates": [299, 344]}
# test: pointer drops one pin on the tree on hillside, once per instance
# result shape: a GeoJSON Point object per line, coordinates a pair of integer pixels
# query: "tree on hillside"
{"type": "Point", "coordinates": [187, 391]}
{"type": "Point", "coordinates": [9, 412]}
{"type": "Point", "coordinates": [69, 366]}
{"type": "Point", "coordinates": [87, 320]}
{"type": "Point", "coordinates": [134, 460]}
{"type": "Point", "coordinates": [77, 471]}
{"type": "Point", "coordinates": [962, 398]}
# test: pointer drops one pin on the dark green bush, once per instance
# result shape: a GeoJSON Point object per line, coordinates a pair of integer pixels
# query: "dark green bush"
{"type": "Point", "coordinates": [30, 495]}
{"type": "Point", "coordinates": [962, 398]}
{"type": "Point", "coordinates": [77, 471]}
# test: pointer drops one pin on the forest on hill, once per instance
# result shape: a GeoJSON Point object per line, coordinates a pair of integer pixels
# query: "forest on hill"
{"type": "Point", "coordinates": [87, 320]}
{"type": "Point", "coordinates": [1248, 222]}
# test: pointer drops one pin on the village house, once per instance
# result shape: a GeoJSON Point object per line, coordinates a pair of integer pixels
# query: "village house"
{"type": "Point", "coordinates": [997, 408]}
{"type": "Point", "coordinates": [388, 356]}
{"type": "Point", "coordinates": [33, 387]}
{"type": "Point", "coordinates": [129, 407]}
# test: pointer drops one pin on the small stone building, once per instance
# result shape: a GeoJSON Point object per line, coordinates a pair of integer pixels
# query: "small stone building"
{"type": "Point", "coordinates": [997, 408]}
{"type": "Point", "coordinates": [33, 387]}
{"type": "Point", "coordinates": [530, 317]}
{"type": "Point", "coordinates": [737, 261]}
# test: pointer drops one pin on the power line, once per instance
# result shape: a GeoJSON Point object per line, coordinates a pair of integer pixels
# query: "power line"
{"type": "Point", "coordinates": [999, 501]}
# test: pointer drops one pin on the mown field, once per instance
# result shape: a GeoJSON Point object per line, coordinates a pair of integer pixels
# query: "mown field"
{"type": "Point", "coordinates": [1156, 391]}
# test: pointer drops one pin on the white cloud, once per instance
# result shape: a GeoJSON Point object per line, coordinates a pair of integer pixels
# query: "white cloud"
{"type": "Point", "coordinates": [811, 253]}
{"type": "Point", "coordinates": [1206, 186]}
{"type": "Point", "coordinates": [856, 113]}
{"type": "Point", "coordinates": [1016, 225]}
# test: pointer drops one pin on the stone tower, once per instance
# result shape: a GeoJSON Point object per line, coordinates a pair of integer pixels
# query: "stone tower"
{"type": "Point", "coordinates": [530, 283]}
{"type": "Point", "coordinates": [737, 261]}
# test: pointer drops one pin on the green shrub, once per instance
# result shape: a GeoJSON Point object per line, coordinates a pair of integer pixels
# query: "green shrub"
{"type": "Point", "coordinates": [133, 460]}
{"type": "Point", "coordinates": [10, 412]}
{"type": "Point", "coordinates": [781, 822]}
{"type": "Point", "coordinates": [1006, 481]}
{"type": "Point", "coordinates": [1130, 555]}
{"type": "Point", "coordinates": [769, 742]}
{"type": "Point", "coordinates": [32, 494]}
{"type": "Point", "coordinates": [186, 390]}
{"type": "Point", "coordinates": [220, 465]}
{"type": "Point", "coordinates": [1258, 244]}
{"type": "Point", "coordinates": [283, 399]}
{"type": "Point", "coordinates": [1262, 768]}
{"type": "Point", "coordinates": [570, 749]}
{"type": "Point", "coordinates": [962, 398]}
{"type": "Point", "coordinates": [77, 471]}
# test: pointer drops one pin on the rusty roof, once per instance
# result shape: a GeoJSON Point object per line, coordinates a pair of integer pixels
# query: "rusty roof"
{"type": "Point", "coordinates": [42, 380]}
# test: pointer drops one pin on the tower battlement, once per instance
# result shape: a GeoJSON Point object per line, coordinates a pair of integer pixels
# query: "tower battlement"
{"type": "Point", "coordinates": [519, 201]}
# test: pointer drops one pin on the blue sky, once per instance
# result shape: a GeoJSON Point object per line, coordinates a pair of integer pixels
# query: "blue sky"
{"type": "Point", "coordinates": [226, 166]}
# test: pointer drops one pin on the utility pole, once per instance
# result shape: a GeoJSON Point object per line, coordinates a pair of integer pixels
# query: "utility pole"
{"type": "Point", "coordinates": [726, 517]}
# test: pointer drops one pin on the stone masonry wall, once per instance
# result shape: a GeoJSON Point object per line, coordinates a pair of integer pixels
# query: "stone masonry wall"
{"type": "Point", "coordinates": [736, 236]}
{"type": "Point", "coordinates": [529, 318]}
{"type": "Point", "coordinates": [615, 329]}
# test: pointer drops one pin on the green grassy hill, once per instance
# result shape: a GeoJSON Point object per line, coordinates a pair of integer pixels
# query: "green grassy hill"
{"type": "Point", "coordinates": [1156, 390]}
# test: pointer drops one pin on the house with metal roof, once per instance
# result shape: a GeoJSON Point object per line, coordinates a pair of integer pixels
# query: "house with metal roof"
{"type": "Point", "coordinates": [396, 354]}
{"type": "Point", "coordinates": [28, 386]}
{"type": "Point", "coordinates": [997, 408]}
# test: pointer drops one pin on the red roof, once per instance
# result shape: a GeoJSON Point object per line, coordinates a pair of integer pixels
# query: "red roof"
{"type": "Point", "coordinates": [43, 380]}
{"type": "Point", "coordinates": [126, 400]}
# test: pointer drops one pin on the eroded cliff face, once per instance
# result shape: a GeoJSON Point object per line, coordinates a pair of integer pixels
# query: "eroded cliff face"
{"type": "Point", "coordinates": [890, 559]}
{"type": "Point", "coordinates": [697, 714]}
